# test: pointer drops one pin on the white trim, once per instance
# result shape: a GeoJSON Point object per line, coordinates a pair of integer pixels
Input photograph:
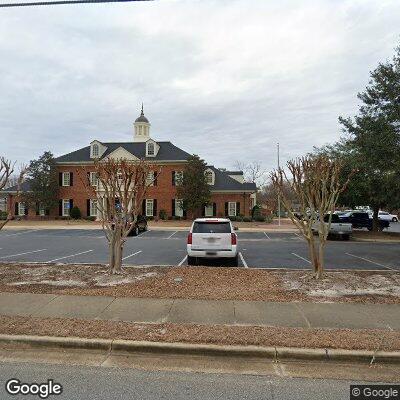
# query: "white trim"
{"type": "Point", "coordinates": [93, 178]}
{"type": "Point", "coordinates": [66, 179]}
{"type": "Point", "coordinates": [63, 208]}
{"type": "Point", "coordinates": [21, 209]}
{"type": "Point", "coordinates": [212, 173]}
{"type": "Point", "coordinates": [178, 181]}
{"type": "Point", "coordinates": [149, 205]}
{"type": "Point", "coordinates": [211, 205]}
{"type": "Point", "coordinates": [178, 210]}
{"type": "Point", "coordinates": [93, 208]}
{"type": "Point", "coordinates": [229, 209]}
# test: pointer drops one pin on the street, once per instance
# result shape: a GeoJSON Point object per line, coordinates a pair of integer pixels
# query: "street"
{"type": "Point", "coordinates": [95, 383]}
{"type": "Point", "coordinates": [157, 247]}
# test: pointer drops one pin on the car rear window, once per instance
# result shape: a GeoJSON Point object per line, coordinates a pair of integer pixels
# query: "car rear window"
{"type": "Point", "coordinates": [212, 227]}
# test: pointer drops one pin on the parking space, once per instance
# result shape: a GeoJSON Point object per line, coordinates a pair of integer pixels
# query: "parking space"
{"type": "Point", "coordinates": [156, 247]}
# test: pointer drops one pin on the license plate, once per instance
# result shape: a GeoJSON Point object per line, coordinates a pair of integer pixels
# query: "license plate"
{"type": "Point", "coordinates": [211, 253]}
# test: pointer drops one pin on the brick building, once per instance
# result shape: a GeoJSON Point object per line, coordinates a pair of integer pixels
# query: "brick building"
{"type": "Point", "coordinates": [230, 195]}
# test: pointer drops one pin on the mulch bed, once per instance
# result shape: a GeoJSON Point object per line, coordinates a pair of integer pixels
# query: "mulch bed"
{"type": "Point", "coordinates": [359, 234]}
{"type": "Point", "coordinates": [202, 283]}
{"type": "Point", "coordinates": [214, 334]}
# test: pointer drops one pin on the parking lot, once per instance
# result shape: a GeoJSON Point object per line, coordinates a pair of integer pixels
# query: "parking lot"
{"type": "Point", "coordinates": [156, 247]}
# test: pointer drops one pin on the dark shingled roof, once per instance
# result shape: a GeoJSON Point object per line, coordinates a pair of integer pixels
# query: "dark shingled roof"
{"type": "Point", "coordinates": [224, 182]}
{"type": "Point", "coordinates": [25, 187]}
{"type": "Point", "coordinates": [167, 152]}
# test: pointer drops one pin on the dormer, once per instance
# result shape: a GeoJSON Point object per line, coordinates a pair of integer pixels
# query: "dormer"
{"type": "Point", "coordinates": [210, 176]}
{"type": "Point", "coordinates": [152, 148]}
{"type": "Point", "coordinates": [97, 149]}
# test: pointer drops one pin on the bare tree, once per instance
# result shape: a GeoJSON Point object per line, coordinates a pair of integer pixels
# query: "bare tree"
{"type": "Point", "coordinates": [121, 188]}
{"type": "Point", "coordinates": [315, 181]}
{"type": "Point", "coordinates": [6, 173]}
{"type": "Point", "coordinates": [253, 171]}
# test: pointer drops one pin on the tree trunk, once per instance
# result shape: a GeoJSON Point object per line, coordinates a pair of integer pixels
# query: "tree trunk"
{"type": "Point", "coordinates": [2, 223]}
{"type": "Point", "coordinates": [116, 268]}
{"type": "Point", "coordinates": [111, 246]}
{"type": "Point", "coordinates": [375, 219]}
{"type": "Point", "coordinates": [321, 263]}
{"type": "Point", "coordinates": [313, 255]}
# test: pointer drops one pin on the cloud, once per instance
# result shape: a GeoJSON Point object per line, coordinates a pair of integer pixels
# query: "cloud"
{"type": "Point", "coordinates": [224, 79]}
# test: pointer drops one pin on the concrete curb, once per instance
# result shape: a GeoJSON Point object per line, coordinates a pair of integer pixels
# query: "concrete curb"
{"type": "Point", "coordinates": [130, 346]}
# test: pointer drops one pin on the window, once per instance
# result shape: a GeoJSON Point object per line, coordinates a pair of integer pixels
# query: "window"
{"type": "Point", "coordinates": [150, 149]}
{"type": "Point", "coordinates": [178, 178]}
{"type": "Point", "coordinates": [65, 208]}
{"type": "Point", "coordinates": [66, 179]}
{"type": "Point", "coordinates": [179, 208]}
{"type": "Point", "coordinates": [150, 179]}
{"type": "Point", "coordinates": [212, 227]}
{"type": "Point", "coordinates": [21, 208]}
{"type": "Point", "coordinates": [232, 209]}
{"type": "Point", "coordinates": [95, 150]}
{"type": "Point", "coordinates": [93, 179]}
{"type": "Point", "coordinates": [93, 208]}
{"type": "Point", "coordinates": [209, 177]}
{"type": "Point", "coordinates": [42, 211]}
{"type": "Point", "coordinates": [149, 207]}
{"type": "Point", "coordinates": [209, 210]}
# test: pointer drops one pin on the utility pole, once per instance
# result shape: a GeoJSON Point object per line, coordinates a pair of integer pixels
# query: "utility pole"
{"type": "Point", "coordinates": [279, 197]}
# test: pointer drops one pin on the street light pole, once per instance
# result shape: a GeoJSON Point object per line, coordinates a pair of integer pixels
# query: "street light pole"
{"type": "Point", "coordinates": [279, 197]}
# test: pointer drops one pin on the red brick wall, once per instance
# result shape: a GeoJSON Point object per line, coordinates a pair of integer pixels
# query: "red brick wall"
{"type": "Point", "coordinates": [164, 192]}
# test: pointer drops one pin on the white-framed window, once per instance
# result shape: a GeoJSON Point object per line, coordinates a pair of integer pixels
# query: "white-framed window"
{"type": "Point", "coordinates": [95, 150]}
{"type": "Point", "coordinates": [93, 179]}
{"type": "Point", "coordinates": [178, 178]}
{"type": "Point", "coordinates": [151, 149]}
{"type": "Point", "coordinates": [21, 208]}
{"type": "Point", "coordinates": [93, 208]}
{"type": "Point", "coordinates": [209, 177]}
{"type": "Point", "coordinates": [179, 207]}
{"type": "Point", "coordinates": [150, 178]}
{"type": "Point", "coordinates": [119, 176]}
{"type": "Point", "coordinates": [149, 207]}
{"type": "Point", "coordinates": [209, 210]}
{"type": "Point", "coordinates": [42, 211]}
{"type": "Point", "coordinates": [66, 179]}
{"type": "Point", "coordinates": [65, 208]}
{"type": "Point", "coordinates": [232, 209]}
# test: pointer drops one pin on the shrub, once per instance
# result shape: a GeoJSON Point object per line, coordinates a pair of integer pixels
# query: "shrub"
{"type": "Point", "coordinates": [259, 218]}
{"type": "Point", "coordinates": [239, 218]}
{"type": "Point", "coordinates": [269, 219]}
{"type": "Point", "coordinates": [163, 214]}
{"type": "Point", "coordinates": [150, 218]}
{"type": "Point", "coordinates": [75, 213]}
{"type": "Point", "coordinates": [247, 219]}
{"type": "Point", "coordinates": [232, 218]}
{"type": "Point", "coordinates": [90, 218]}
{"type": "Point", "coordinates": [3, 215]}
{"type": "Point", "coordinates": [176, 218]}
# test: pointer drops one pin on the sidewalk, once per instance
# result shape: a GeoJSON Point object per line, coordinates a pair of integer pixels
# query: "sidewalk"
{"type": "Point", "coordinates": [208, 312]}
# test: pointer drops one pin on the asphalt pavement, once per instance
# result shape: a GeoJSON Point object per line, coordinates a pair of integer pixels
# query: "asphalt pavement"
{"type": "Point", "coordinates": [157, 247]}
{"type": "Point", "coordinates": [98, 383]}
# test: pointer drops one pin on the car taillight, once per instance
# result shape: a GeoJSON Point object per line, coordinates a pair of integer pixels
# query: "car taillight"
{"type": "Point", "coordinates": [189, 240]}
{"type": "Point", "coordinates": [233, 238]}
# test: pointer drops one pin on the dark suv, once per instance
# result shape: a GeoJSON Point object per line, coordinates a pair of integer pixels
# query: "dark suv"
{"type": "Point", "coordinates": [140, 226]}
{"type": "Point", "coordinates": [361, 219]}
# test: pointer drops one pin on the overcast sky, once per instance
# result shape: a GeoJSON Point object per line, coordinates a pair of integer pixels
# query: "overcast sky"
{"type": "Point", "coordinates": [224, 79]}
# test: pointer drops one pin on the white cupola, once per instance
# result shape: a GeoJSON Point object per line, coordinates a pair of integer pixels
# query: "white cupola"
{"type": "Point", "coordinates": [142, 128]}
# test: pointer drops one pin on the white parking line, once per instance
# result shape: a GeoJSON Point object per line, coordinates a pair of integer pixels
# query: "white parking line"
{"type": "Point", "coordinates": [298, 236]}
{"type": "Point", "coordinates": [172, 234]}
{"type": "Point", "coordinates": [21, 254]}
{"type": "Point", "coordinates": [265, 233]}
{"type": "Point", "coordinates": [131, 255]}
{"type": "Point", "coordinates": [243, 261]}
{"type": "Point", "coordinates": [370, 261]}
{"type": "Point", "coordinates": [182, 261]}
{"type": "Point", "coordinates": [143, 233]}
{"type": "Point", "coordinates": [21, 233]}
{"type": "Point", "coordinates": [305, 259]}
{"type": "Point", "coordinates": [71, 255]}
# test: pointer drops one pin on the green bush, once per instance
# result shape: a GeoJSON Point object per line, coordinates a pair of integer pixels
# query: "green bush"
{"type": "Point", "coordinates": [163, 214]}
{"type": "Point", "coordinates": [176, 218]}
{"type": "Point", "coordinates": [247, 219]}
{"type": "Point", "coordinates": [259, 218]}
{"type": "Point", "coordinates": [75, 213]}
{"type": "Point", "coordinates": [3, 215]}
{"type": "Point", "coordinates": [240, 218]}
{"type": "Point", "coordinates": [232, 218]}
{"type": "Point", "coordinates": [269, 219]}
{"type": "Point", "coordinates": [90, 218]}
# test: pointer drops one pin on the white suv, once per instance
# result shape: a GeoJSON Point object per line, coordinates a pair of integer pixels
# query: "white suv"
{"type": "Point", "coordinates": [212, 238]}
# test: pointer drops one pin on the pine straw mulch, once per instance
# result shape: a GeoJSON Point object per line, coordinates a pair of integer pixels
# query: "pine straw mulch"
{"type": "Point", "coordinates": [213, 334]}
{"type": "Point", "coordinates": [202, 283]}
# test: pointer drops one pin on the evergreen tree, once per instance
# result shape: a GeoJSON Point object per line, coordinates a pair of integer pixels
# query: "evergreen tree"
{"type": "Point", "coordinates": [193, 189]}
